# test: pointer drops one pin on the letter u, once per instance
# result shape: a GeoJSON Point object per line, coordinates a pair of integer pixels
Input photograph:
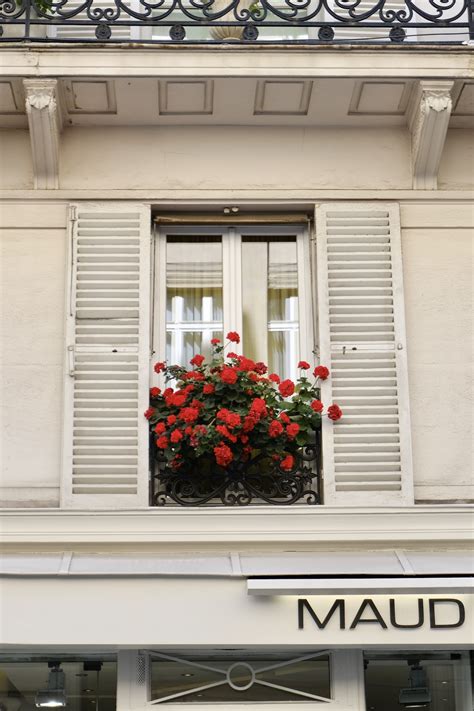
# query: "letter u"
{"type": "Point", "coordinates": [421, 616]}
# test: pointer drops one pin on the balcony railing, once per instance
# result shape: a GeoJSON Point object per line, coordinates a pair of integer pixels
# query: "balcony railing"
{"type": "Point", "coordinates": [260, 481]}
{"type": "Point", "coordinates": [237, 21]}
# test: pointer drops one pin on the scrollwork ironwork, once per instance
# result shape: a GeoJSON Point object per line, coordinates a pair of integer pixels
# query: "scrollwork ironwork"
{"type": "Point", "coordinates": [338, 21]}
{"type": "Point", "coordinates": [258, 481]}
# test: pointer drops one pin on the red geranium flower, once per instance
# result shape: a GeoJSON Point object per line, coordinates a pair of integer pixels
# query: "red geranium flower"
{"type": "Point", "coordinates": [162, 442]}
{"type": "Point", "coordinates": [176, 436]}
{"type": "Point", "coordinates": [274, 377]}
{"type": "Point", "coordinates": [317, 405]}
{"type": "Point", "coordinates": [149, 413]}
{"type": "Point", "coordinates": [189, 414]}
{"type": "Point", "coordinates": [197, 360]}
{"type": "Point", "coordinates": [287, 463]}
{"type": "Point", "coordinates": [223, 454]}
{"type": "Point", "coordinates": [178, 399]}
{"type": "Point", "coordinates": [229, 376]}
{"type": "Point", "coordinates": [233, 420]}
{"type": "Point", "coordinates": [208, 389]}
{"type": "Point", "coordinates": [286, 388]}
{"type": "Point", "coordinates": [160, 428]}
{"type": "Point", "coordinates": [334, 412]}
{"type": "Point", "coordinates": [303, 365]}
{"type": "Point", "coordinates": [222, 429]}
{"type": "Point", "coordinates": [246, 363]}
{"type": "Point", "coordinates": [215, 341]}
{"type": "Point", "coordinates": [275, 429]}
{"type": "Point", "coordinates": [292, 430]}
{"type": "Point", "coordinates": [171, 419]}
{"type": "Point", "coordinates": [284, 418]}
{"type": "Point", "coordinates": [159, 367]}
{"type": "Point", "coordinates": [154, 392]}
{"type": "Point", "coordinates": [260, 368]}
{"type": "Point", "coordinates": [233, 336]}
{"type": "Point", "coordinates": [321, 372]}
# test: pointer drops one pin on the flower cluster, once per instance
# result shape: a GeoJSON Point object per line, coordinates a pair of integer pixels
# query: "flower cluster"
{"type": "Point", "coordinates": [232, 410]}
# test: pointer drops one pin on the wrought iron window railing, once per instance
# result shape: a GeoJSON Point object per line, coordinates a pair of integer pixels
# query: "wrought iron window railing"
{"type": "Point", "coordinates": [260, 481]}
{"type": "Point", "coordinates": [241, 21]}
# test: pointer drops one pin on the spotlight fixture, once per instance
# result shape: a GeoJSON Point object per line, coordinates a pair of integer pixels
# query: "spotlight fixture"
{"type": "Point", "coordinates": [54, 696]}
{"type": "Point", "coordinates": [417, 695]}
{"type": "Point", "coordinates": [231, 210]}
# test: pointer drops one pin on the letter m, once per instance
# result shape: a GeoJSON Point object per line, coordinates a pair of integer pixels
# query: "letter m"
{"type": "Point", "coordinates": [304, 605]}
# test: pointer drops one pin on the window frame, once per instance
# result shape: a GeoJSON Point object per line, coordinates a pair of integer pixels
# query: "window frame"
{"type": "Point", "coordinates": [232, 234]}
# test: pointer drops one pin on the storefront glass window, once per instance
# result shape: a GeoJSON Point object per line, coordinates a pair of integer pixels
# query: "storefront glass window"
{"type": "Point", "coordinates": [434, 682]}
{"type": "Point", "coordinates": [249, 678]}
{"type": "Point", "coordinates": [76, 684]}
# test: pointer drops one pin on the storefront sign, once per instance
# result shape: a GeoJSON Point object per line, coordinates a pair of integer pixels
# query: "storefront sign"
{"type": "Point", "coordinates": [436, 613]}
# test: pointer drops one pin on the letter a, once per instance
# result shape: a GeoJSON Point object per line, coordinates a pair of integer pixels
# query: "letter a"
{"type": "Point", "coordinates": [378, 617]}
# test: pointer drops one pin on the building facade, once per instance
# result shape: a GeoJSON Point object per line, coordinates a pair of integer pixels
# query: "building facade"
{"type": "Point", "coordinates": [308, 184]}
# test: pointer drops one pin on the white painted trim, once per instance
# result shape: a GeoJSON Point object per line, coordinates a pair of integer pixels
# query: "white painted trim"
{"type": "Point", "coordinates": [344, 527]}
{"type": "Point", "coordinates": [216, 198]}
{"type": "Point", "coordinates": [232, 282]}
{"type": "Point", "coordinates": [404, 61]}
{"type": "Point", "coordinates": [358, 586]}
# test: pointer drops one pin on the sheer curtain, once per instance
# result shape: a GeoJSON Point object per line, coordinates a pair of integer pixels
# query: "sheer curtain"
{"type": "Point", "coordinates": [193, 297]}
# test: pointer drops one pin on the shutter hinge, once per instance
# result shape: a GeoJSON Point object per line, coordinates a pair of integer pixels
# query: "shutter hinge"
{"type": "Point", "coordinates": [71, 361]}
{"type": "Point", "coordinates": [73, 213]}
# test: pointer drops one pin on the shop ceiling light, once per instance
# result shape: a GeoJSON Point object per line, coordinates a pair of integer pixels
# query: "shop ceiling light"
{"type": "Point", "coordinates": [417, 695]}
{"type": "Point", "coordinates": [54, 696]}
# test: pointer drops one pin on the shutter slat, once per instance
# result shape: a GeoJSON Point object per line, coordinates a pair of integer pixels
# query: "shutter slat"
{"type": "Point", "coordinates": [109, 324]}
{"type": "Point", "coordinates": [367, 454]}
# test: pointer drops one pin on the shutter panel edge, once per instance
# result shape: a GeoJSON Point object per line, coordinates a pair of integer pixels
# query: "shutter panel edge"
{"type": "Point", "coordinates": [117, 344]}
{"type": "Point", "coordinates": [341, 487]}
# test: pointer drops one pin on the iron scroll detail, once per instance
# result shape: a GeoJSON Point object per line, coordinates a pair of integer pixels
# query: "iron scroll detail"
{"type": "Point", "coordinates": [260, 481]}
{"type": "Point", "coordinates": [263, 21]}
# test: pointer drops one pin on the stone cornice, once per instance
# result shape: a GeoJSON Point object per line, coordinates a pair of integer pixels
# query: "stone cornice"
{"type": "Point", "coordinates": [328, 526]}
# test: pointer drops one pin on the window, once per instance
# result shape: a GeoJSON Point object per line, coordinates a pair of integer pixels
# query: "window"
{"type": "Point", "coordinates": [248, 677]}
{"type": "Point", "coordinates": [79, 682]}
{"type": "Point", "coordinates": [435, 681]}
{"type": "Point", "coordinates": [254, 280]}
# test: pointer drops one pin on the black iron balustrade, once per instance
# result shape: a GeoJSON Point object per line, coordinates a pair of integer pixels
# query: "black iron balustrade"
{"type": "Point", "coordinates": [260, 481]}
{"type": "Point", "coordinates": [248, 21]}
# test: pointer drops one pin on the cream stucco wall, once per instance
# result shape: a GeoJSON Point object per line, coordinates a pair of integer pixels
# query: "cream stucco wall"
{"type": "Point", "coordinates": [437, 258]}
{"type": "Point", "coordinates": [33, 267]}
{"type": "Point", "coordinates": [234, 157]}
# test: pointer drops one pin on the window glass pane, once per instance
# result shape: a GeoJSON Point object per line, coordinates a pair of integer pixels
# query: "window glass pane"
{"type": "Point", "coordinates": [207, 679]}
{"type": "Point", "coordinates": [193, 297]}
{"type": "Point", "coordinates": [84, 688]}
{"type": "Point", "coordinates": [270, 302]}
{"type": "Point", "coordinates": [430, 680]}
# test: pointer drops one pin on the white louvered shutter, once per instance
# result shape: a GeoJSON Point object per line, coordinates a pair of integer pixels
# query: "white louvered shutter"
{"type": "Point", "coordinates": [107, 390]}
{"type": "Point", "coordinates": [366, 454]}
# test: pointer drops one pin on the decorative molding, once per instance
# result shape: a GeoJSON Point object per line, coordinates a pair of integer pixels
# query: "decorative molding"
{"type": "Point", "coordinates": [292, 97]}
{"type": "Point", "coordinates": [44, 120]}
{"type": "Point", "coordinates": [355, 105]}
{"type": "Point", "coordinates": [97, 97]}
{"type": "Point", "coordinates": [341, 527]}
{"type": "Point", "coordinates": [184, 97]}
{"type": "Point", "coordinates": [429, 116]}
